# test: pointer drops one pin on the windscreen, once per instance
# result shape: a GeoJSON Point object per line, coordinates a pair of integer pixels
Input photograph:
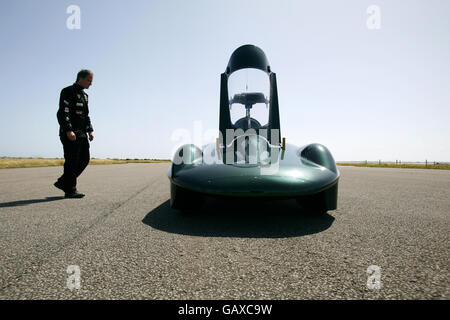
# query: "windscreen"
{"type": "Point", "coordinates": [249, 91]}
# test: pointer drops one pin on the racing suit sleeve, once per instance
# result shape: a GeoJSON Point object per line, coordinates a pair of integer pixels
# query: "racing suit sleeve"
{"type": "Point", "coordinates": [88, 121]}
{"type": "Point", "coordinates": [63, 113]}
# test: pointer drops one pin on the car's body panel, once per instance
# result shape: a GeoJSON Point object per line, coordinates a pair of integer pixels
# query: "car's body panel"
{"type": "Point", "coordinates": [290, 175]}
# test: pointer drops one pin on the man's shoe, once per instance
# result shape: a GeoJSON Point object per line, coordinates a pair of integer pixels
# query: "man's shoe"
{"type": "Point", "coordinates": [73, 195]}
{"type": "Point", "coordinates": [59, 185]}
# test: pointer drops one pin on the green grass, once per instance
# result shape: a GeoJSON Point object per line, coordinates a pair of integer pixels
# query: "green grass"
{"type": "Point", "coordinates": [442, 166]}
{"type": "Point", "coordinates": [48, 162]}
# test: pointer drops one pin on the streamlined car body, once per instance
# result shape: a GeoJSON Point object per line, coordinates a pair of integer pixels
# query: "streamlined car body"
{"type": "Point", "coordinates": [249, 158]}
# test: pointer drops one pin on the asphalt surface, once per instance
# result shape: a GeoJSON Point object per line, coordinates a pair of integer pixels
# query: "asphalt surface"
{"type": "Point", "coordinates": [129, 244]}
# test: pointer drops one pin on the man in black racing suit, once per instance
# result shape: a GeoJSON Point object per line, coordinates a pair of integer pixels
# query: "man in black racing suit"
{"type": "Point", "coordinates": [74, 130]}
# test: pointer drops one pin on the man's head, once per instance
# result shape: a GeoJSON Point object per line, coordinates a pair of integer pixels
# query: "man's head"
{"type": "Point", "coordinates": [84, 78]}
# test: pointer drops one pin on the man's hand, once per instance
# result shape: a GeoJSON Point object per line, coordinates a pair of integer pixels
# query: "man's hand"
{"type": "Point", "coordinates": [91, 136]}
{"type": "Point", "coordinates": [71, 136]}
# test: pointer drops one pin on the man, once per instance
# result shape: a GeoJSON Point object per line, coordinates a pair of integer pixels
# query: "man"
{"type": "Point", "coordinates": [74, 129]}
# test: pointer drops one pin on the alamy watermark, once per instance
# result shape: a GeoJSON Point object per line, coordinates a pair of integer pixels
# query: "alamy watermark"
{"type": "Point", "coordinates": [374, 279]}
{"type": "Point", "coordinates": [73, 22]}
{"type": "Point", "coordinates": [74, 278]}
{"type": "Point", "coordinates": [373, 21]}
{"type": "Point", "coordinates": [260, 147]}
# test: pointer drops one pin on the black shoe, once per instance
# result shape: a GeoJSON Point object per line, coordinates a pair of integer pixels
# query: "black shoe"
{"type": "Point", "coordinates": [59, 185]}
{"type": "Point", "coordinates": [73, 195]}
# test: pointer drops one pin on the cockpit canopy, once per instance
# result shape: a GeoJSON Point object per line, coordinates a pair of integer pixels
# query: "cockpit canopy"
{"type": "Point", "coordinates": [249, 91]}
{"type": "Point", "coordinates": [248, 95]}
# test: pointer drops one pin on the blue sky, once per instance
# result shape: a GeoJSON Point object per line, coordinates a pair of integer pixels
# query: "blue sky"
{"type": "Point", "coordinates": [365, 94]}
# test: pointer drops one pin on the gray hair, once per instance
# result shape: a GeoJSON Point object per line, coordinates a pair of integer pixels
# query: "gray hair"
{"type": "Point", "coordinates": [84, 73]}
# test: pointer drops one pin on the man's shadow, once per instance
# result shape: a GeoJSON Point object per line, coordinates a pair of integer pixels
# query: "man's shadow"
{"type": "Point", "coordinates": [240, 218]}
{"type": "Point", "coordinates": [26, 202]}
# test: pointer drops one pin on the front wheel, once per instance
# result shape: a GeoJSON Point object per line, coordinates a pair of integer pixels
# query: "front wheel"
{"type": "Point", "coordinates": [183, 199]}
{"type": "Point", "coordinates": [320, 203]}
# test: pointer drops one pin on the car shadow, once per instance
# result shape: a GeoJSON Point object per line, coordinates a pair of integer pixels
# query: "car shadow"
{"type": "Point", "coordinates": [239, 218]}
{"type": "Point", "coordinates": [27, 202]}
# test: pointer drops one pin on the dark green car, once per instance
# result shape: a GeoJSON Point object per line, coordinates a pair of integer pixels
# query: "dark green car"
{"type": "Point", "coordinates": [249, 159]}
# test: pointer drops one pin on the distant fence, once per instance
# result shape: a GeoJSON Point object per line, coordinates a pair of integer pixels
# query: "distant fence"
{"type": "Point", "coordinates": [426, 162]}
{"type": "Point", "coordinates": [398, 164]}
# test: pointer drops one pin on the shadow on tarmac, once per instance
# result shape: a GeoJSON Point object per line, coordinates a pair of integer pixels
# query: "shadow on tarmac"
{"type": "Point", "coordinates": [27, 202]}
{"type": "Point", "coordinates": [248, 218]}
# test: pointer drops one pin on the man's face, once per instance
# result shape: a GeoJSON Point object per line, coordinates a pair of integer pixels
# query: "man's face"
{"type": "Point", "coordinates": [86, 82]}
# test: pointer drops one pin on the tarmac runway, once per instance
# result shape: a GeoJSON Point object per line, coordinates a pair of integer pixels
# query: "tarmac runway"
{"type": "Point", "coordinates": [127, 243]}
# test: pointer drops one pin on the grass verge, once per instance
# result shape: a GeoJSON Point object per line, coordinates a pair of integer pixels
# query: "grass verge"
{"type": "Point", "coordinates": [49, 162]}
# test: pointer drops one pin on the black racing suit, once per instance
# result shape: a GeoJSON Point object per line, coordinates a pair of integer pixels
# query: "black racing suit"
{"type": "Point", "coordinates": [73, 115]}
